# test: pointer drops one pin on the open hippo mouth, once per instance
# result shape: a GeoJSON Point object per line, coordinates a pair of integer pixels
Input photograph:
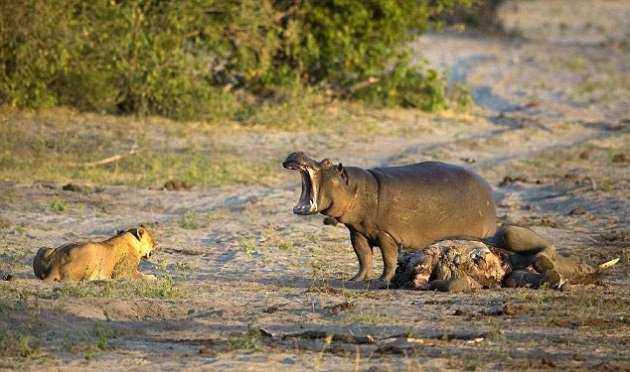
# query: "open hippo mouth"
{"type": "Point", "coordinates": [309, 170]}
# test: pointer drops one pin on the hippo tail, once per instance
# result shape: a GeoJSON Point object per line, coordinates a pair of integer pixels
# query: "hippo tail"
{"type": "Point", "coordinates": [41, 263]}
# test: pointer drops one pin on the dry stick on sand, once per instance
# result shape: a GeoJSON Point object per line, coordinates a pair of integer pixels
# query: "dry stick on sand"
{"type": "Point", "coordinates": [111, 159]}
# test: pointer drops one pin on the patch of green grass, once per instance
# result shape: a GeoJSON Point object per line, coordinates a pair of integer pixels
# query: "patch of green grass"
{"type": "Point", "coordinates": [8, 195]}
{"type": "Point", "coordinates": [367, 317]}
{"type": "Point", "coordinates": [286, 245]}
{"type": "Point", "coordinates": [189, 221]}
{"type": "Point", "coordinates": [537, 163]}
{"type": "Point", "coordinates": [182, 266]}
{"type": "Point", "coordinates": [248, 245]}
{"type": "Point", "coordinates": [26, 347]}
{"type": "Point", "coordinates": [12, 261]}
{"type": "Point", "coordinates": [602, 89]}
{"type": "Point", "coordinates": [58, 205]}
{"type": "Point", "coordinates": [250, 341]}
{"type": "Point", "coordinates": [576, 63]}
{"type": "Point", "coordinates": [271, 238]}
{"type": "Point", "coordinates": [56, 146]}
{"type": "Point", "coordinates": [18, 345]}
{"type": "Point", "coordinates": [302, 109]}
{"type": "Point", "coordinates": [91, 342]}
{"type": "Point", "coordinates": [218, 214]}
{"type": "Point", "coordinates": [162, 288]}
{"type": "Point", "coordinates": [495, 330]}
{"type": "Point", "coordinates": [460, 97]}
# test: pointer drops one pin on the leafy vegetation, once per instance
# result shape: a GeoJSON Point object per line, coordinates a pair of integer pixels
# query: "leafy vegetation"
{"type": "Point", "coordinates": [212, 59]}
{"type": "Point", "coordinates": [479, 14]}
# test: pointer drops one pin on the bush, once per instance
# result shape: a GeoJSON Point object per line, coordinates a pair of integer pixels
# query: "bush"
{"type": "Point", "coordinates": [480, 15]}
{"type": "Point", "coordinates": [406, 87]}
{"type": "Point", "coordinates": [192, 59]}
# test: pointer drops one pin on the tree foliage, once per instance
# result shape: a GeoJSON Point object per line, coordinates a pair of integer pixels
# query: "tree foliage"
{"type": "Point", "coordinates": [186, 58]}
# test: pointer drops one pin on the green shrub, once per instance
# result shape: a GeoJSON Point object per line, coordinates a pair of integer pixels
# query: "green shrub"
{"type": "Point", "coordinates": [407, 87]}
{"type": "Point", "coordinates": [480, 15]}
{"type": "Point", "coordinates": [198, 58]}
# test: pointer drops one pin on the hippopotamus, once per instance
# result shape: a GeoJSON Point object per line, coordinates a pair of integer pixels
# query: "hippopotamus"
{"type": "Point", "coordinates": [407, 207]}
{"type": "Point", "coordinates": [411, 207]}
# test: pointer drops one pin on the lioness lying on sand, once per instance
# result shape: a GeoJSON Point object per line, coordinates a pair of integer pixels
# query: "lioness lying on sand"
{"type": "Point", "coordinates": [116, 257]}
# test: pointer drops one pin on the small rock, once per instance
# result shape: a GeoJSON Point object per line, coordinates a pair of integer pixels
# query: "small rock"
{"type": "Point", "coordinates": [288, 360]}
{"type": "Point", "coordinates": [547, 362]}
{"type": "Point", "coordinates": [176, 185]}
{"type": "Point", "coordinates": [620, 158]}
{"type": "Point", "coordinates": [509, 309]}
{"type": "Point", "coordinates": [72, 187]}
{"type": "Point", "coordinates": [271, 309]}
{"type": "Point", "coordinates": [498, 310]}
{"type": "Point", "coordinates": [336, 309]}
{"type": "Point", "coordinates": [45, 185]}
{"type": "Point", "coordinates": [507, 180]}
{"type": "Point", "coordinates": [584, 155]}
{"type": "Point", "coordinates": [206, 351]}
{"type": "Point", "coordinates": [577, 211]}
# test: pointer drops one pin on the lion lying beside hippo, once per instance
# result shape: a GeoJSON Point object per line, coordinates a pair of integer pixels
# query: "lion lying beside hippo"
{"type": "Point", "coordinates": [410, 207]}
{"type": "Point", "coordinates": [113, 258]}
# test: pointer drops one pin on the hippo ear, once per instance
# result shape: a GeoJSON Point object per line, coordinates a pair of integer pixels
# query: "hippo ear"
{"type": "Point", "coordinates": [342, 173]}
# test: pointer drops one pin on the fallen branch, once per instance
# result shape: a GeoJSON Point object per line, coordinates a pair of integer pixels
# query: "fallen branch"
{"type": "Point", "coordinates": [111, 159]}
{"type": "Point", "coordinates": [362, 84]}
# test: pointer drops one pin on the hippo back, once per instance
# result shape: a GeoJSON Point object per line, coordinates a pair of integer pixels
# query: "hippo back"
{"type": "Point", "coordinates": [421, 203]}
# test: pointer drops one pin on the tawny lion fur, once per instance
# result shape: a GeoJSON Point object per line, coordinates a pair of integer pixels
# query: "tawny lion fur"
{"type": "Point", "coordinates": [114, 258]}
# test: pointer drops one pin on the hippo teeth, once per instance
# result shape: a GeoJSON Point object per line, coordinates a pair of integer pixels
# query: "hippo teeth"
{"type": "Point", "coordinates": [307, 203]}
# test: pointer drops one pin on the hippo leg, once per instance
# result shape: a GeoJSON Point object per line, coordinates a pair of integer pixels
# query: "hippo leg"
{"type": "Point", "coordinates": [543, 262]}
{"type": "Point", "coordinates": [364, 252]}
{"type": "Point", "coordinates": [558, 270]}
{"type": "Point", "coordinates": [389, 249]}
{"type": "Point", "coordinates": [519, 239]}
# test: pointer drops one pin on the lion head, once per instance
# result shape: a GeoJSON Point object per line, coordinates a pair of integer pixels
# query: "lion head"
{"type": "Point", "coordinates": [145, 244]}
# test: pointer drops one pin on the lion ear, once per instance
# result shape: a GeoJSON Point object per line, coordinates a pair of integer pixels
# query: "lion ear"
{"type": "Point", "coordinates": [138, 233]}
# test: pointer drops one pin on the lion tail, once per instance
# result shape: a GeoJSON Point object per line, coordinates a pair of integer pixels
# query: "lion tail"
{"type": "Point", "coordinates": [607, 265]}
{"type": "Point", "coordinates": [41, 262]}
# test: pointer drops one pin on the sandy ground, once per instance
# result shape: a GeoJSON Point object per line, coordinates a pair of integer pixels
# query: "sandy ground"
{"type": "Point", "coordinates": [247, 285]}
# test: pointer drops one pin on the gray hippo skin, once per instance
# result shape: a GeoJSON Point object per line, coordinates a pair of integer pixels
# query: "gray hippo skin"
{"type": "Point", "coordinates": [406, 207]}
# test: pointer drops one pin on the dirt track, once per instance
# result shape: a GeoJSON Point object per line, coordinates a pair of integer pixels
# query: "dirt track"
{"type": "Point", "coordinates": [552, 134]}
